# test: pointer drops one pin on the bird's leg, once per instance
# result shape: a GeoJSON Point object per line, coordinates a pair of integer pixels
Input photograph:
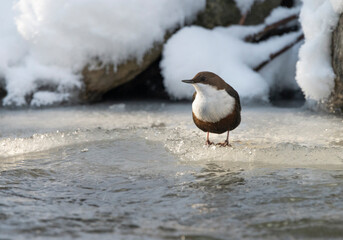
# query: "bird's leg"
{"type": "Point", "coordinates": [226, 142]}
{"type": "Point", "coordinates": [208, 142]}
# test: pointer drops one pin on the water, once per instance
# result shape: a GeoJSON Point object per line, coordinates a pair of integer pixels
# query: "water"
{"type": "Point", "coordinates": [141, 171]}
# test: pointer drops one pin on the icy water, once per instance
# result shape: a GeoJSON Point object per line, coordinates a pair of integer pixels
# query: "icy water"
{"type": "Point", "coordinates": [141, 171]}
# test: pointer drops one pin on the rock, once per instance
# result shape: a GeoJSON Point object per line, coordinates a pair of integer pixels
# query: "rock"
{"type": "Point", "coordinates": [3, 92]}
{"type": "Point", "coordinates": [260, 10]}
{"type": "Point", "coordinates": [335, 103]}
{"type": "Point", "coordinates": [225, 13]}
{"type": "Point", "coordinates": [99, 81]}
{"type": "Point", "coordinates": [146, 85]}
{"type": "Point", "coordinates": [217, 13]}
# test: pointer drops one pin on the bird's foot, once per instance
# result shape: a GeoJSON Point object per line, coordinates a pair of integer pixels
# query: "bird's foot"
{"type": "Point", "coordinates": [224, 144]}
{"type": "Point", "coordinates": [209, 143]}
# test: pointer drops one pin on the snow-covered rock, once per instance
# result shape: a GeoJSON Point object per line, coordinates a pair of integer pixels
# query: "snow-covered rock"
{"type": "Point", "coordinates": [224, 51]}
{"type": "Point", "coordinates": [319, 69]}
{"type": "Point", "coordinates": [315, 75]}
{"type": "Point", "coordinates": [45, 44]}
{"type": "Point", "coordinates": [335, 103]}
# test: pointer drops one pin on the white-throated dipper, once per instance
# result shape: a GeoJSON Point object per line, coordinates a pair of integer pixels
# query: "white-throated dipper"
{"type": "Point", "coordinates": [216, 107]}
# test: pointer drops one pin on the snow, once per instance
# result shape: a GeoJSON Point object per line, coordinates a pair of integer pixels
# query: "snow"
{"type": "Point", "coordinates": [46, 43]}
{"type": "Point", "coordinates": [43, 98]}
{"type": "Point", "coordinates": [314, 72]}
{"type": "Point", "coordinates": [337, 5]}
{"type": "Point", "coordinates": [223, 51]}
{"type": "Point", "coordinates": [245, 5]}
{"type": "Point", "coordinates": [281, 13]}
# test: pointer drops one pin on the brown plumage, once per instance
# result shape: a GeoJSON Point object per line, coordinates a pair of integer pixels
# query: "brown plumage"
{"type": "Point", "coordinates": [226, 123]}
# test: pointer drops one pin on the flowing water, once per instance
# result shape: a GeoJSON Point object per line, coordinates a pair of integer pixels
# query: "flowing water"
{"type": "Point", "coordinates": [140, 170]}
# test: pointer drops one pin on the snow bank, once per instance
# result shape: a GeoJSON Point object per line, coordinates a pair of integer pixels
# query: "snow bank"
{"type": "Point", "coordinates": [46, 43]}
{"type": "Point", "coordinates": [223, 51]}
{"type": "Point", "coordinates": [314, 73]}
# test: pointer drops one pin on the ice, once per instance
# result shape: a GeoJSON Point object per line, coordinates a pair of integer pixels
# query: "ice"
{"type": "Point", "coordinates": [48, 141]}
{"type": "Point", "coordinates": [118, 107]}
{"type": "Point", "coordinates": [46, 43]}
{"type": "Point", "coordinates": [267, 135]}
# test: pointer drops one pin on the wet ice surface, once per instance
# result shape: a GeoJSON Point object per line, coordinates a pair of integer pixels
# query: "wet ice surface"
{"type": "Point", "coordinates": [141, 171]}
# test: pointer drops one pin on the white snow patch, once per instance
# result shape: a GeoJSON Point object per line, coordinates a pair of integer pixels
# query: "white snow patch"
{"type": "Point", "coordinates": [245, 5]}
{"type": "Point", "coordinates": [222, 51]}
{"type": "Point", "coordinates": [43, 98]}
{"type": "Point", "coordinates": [314, 73]}
{"type": "Point", "coordinates": [281, 13]}
{"type": "Point", "coordinates": [337, 5]}
{"type": "Point", "coordinates": [46, 43]}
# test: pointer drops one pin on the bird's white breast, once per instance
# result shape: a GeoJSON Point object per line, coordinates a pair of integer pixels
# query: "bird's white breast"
{"type": "Point", "coordinates": [210, 104]}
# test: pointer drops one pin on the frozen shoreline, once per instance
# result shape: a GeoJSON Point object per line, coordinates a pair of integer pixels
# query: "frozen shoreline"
{"type": "Point", "coordinates": [267, 135]}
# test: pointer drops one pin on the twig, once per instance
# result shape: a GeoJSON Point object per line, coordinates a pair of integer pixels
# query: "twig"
{"type": "Point", "coordinates": [274, 55]}
{"type": "Point", "coordinates": [242, 20]}
{"type": "Point", "coordinates": [257, 36]}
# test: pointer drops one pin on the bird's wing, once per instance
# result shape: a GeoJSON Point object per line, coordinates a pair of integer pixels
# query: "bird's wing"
{"type": "Point", "coordinates": [233, 93]}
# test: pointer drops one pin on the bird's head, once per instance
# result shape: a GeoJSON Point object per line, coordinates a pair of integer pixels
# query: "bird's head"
{"type": "Point", "coordinates": [206, 80]}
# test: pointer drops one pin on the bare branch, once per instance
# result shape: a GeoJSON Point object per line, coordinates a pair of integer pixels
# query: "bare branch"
{"type": "Point", "coordinates": [278, 53]}
{"type": "Point", "coordinates": [257, 36]}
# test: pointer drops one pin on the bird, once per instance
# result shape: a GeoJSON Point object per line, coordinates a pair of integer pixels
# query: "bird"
{"type": "Point", "coordinates": [216, 106]}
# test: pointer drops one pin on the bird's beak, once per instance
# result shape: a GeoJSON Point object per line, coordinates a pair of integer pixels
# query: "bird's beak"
{"type": "Point", "coordinates": [188, 81]}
